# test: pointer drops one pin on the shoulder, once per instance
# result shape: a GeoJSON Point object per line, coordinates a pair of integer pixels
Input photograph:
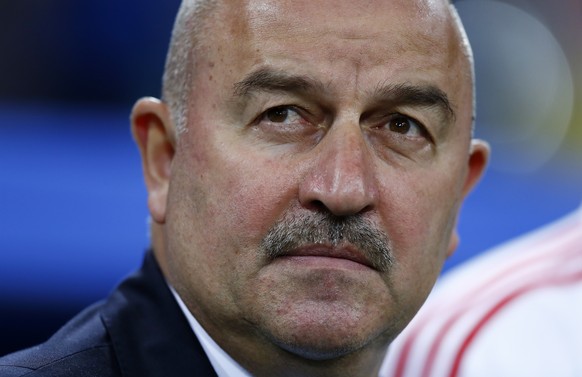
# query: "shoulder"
{"type": "Point", "coordinates": [81, 348]}
{"type": "Point", "coordinates": [542, 258]}
{"type": "Point", "coordinates": [539, 329]}
{"type": "Point", "coordinates": [501, 301]}
{"type": "Point", "coordinates": [94, 362]}
{"type": "Point", "coordinates": [139, 330]}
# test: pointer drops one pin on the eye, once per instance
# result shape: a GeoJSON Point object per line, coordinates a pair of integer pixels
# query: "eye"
{"type": "Point", "coordinates": [285, 124]}
{"type": "Point", "coordinates": [282, 114]}
{"type": "Point", "coordinates": [405, 125]}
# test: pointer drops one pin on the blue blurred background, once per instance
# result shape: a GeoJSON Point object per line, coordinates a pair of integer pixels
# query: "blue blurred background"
{"type": "Point", "coordinates": [72, 202]}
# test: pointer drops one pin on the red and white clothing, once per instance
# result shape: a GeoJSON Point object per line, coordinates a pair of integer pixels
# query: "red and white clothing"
{"type": "Point", "coordinates": [513, 311]}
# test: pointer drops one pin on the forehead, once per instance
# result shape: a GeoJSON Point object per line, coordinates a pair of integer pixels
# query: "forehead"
{"type": "Point", "coordinates": [356, 18]}
{"type": "Point", "coordinates": [346, 40]}
{"type": "Point", "coordinates": [346, 19]}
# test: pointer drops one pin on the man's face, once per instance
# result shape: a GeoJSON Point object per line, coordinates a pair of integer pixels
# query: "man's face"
{"type": "Point", "coordinates": [313, 198]}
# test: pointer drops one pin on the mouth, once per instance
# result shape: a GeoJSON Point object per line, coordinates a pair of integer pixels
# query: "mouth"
{"type": "Point", "coordinates": [325, 240]}
{"type": "Point", "coordinates": [328, 256]}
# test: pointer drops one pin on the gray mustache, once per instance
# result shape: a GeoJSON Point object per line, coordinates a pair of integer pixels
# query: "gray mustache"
{"type": "Point", "coordinates": [297, 230]}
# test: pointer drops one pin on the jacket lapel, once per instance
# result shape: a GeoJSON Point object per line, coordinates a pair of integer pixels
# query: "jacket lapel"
{"type": "Point", "coordinates": [150, 335]}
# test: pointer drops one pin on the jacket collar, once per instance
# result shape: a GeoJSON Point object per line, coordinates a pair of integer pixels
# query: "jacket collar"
{"type": "Point", "coordinates": [149, 333]}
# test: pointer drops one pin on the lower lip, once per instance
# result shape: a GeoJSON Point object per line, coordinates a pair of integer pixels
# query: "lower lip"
{"type": "Point", "coordinates": [323, 262]}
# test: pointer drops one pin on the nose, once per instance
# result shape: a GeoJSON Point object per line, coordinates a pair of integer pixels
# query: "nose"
{"type": "Point", "coordinates": [342, 176]}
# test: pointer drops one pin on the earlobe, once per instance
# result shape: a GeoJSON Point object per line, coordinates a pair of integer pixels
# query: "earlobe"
{"type": "Point", "coordinates": [153, 133]}
{"type": "Point", "coordinates": [453, 242]}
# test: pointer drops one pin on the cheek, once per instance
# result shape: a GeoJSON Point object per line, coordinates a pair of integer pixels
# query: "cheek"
{"type": "Point", "coordinates": [220, 208]}
{"type": "Point", "coordinates": [254, 192]}
{"type": "Point", "coordinates": [419, 211]}
{"type": "Point", "coordinates": [419, 226]}
{"type": "Point", "coordinates": [414, 209]}
{"type": "Point", "coordinates": [234, 198]}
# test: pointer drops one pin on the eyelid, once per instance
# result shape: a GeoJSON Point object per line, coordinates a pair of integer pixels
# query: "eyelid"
{"type": "Point", "coordinates": [300, 111]}
{"type": "Point", "coordinates": [423, 129]}
{"type": "Point", "coordinates": [263, 114]}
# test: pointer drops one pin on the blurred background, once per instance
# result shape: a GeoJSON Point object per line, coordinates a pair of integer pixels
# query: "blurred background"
{"type": "Point", "coordinates": [72, 202]}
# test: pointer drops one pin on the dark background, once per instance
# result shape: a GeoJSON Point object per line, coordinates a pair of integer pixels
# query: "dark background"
{"type": "Point", "coordinates": [72, 202]}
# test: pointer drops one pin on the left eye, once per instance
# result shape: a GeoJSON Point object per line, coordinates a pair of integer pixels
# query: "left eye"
{"type": "Point", "coordinates": [282, 114]}
{"type": "Point", "coordinates": [404, 125]}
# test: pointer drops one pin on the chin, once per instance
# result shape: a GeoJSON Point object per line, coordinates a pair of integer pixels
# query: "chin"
{"type": "Point", "coordinates": [324, 344]}
{"type": "Point", "coordinates": [319, 351]}
{"type": "Point", "coordinates": [326, 326]}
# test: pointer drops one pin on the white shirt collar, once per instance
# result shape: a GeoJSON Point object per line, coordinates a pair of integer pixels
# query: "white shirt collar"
{"type": "Point", "coordinates": [222, 363]}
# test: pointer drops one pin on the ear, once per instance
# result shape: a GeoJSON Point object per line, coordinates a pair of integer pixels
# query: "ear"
{"type": "Point", "coordinates": [153, 132]}
{"type": "Point", "coordinates": [478, 159]}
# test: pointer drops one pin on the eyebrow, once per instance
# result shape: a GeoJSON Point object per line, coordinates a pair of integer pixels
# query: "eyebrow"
{"type": "Point", "coordinates": [269, 80]}
{"type": "Point", "coordinates": [416, 95]}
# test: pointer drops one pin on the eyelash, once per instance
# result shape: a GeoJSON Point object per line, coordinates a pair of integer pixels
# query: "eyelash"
{"type": "Point", "coordinates": [386, 123]}
{"type": "Point", "coordinates": [285, 108]}
{"type": "Point", "coordinates": [423, 131]}
{"type": "Point", "coordinates": [293, 118]}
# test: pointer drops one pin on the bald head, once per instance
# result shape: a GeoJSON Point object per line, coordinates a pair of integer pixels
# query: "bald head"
{"type": "Point", "coordinates": [191, 29]}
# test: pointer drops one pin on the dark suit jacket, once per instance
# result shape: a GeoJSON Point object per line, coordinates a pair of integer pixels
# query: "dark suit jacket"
{"type": "Point", "coordinates": [138, 331]}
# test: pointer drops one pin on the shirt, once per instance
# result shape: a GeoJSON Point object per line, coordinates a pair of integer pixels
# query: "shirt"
{"type": "Point", "coordinates": [513, 311]}
{"type": "Point", "coordinates": [223, 364]}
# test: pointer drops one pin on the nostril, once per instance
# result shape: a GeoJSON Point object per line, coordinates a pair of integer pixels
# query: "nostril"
{"type": "Point", "coordinates": [367, 208]}
{"type": "Point", "coordinates": [317, 205]}
{"type": "Point", "coordinates": [343, 208]}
